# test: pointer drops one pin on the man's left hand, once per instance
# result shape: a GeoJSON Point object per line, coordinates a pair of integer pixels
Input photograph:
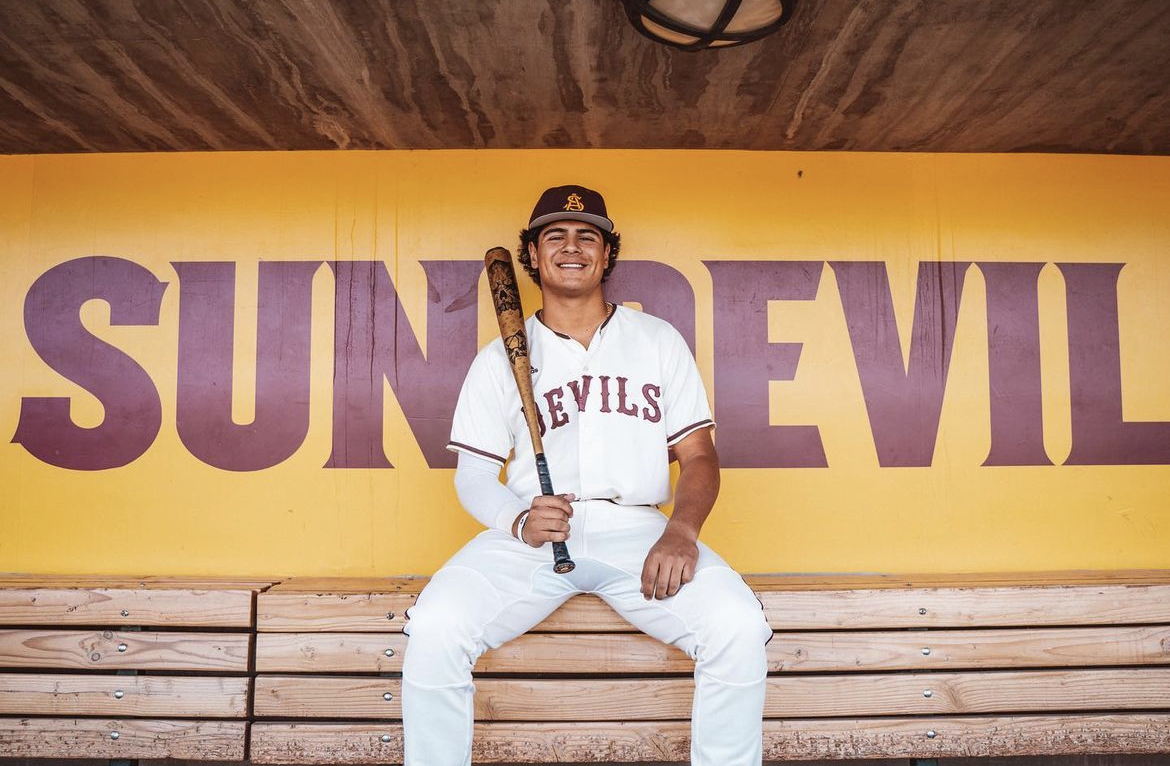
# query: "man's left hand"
{"type": "Point", "coordinates": [670, 563]}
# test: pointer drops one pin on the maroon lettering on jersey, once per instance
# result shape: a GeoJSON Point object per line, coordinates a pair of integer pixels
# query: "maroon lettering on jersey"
{"type": "Point", "coordinates": [556, 412]}
{"type": "Point", "coordinates": [1013, 362]}
{"type": "Point", "coordinates": [581, 391]}
{"type": "Point", "coordinates": [652, 412]}
{"type": "Point", "coordinates": [1100, 433]}
{"type": "Point", "coordinates": [623, 407]}
{"type": "Point", "coordinates": [604, 393]}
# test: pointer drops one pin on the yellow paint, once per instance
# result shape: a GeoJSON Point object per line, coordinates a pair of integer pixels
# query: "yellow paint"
{"type": "Point", "coordinates": [169, 513]}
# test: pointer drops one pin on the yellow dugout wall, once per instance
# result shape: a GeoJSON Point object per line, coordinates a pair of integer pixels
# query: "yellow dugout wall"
{"type": "Point", "coordinates": [1022, 431]}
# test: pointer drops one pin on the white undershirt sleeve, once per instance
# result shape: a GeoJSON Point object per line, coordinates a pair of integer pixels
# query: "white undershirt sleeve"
{"type": "Point", "coordinates": [477, 483]}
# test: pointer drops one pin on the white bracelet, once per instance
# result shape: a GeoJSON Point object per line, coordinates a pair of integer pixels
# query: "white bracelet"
{"type": "Point", "coordinates": [520, 527]}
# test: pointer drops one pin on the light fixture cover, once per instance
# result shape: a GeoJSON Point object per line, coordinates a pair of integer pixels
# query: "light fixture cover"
{"type": "Point", "coordinates": [698, 24]}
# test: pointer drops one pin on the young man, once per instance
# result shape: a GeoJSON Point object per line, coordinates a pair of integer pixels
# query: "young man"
{"type": "Point", "coordinates": [619, 396]}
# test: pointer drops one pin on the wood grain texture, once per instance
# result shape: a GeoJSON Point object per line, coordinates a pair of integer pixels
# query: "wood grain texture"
{"type": "Point", "coordinates": [903, 75]}
{"type": "Point", "coordinates": [795, 696]}
{"type": "Point", "coordinates": [819, 651]}
{"type": "Point", "coordinates": [629, 742]}
{"type": "Point", "coordinates": [160, 696]}
{"type": "Point", "coordinates": [137, 738]}
{"type": "Point", "coordinates": [145, 650]}
{"type": "Point", "coordinates": [130, 605]}
{"type": "Point", "coordinates": [968, 649]}
{"type": "Point", "coordinates": [330, 652]}
{"type": "Point", "coordinates": [359, 611]}
{"type": "Point", "coordinates": [858, 602]}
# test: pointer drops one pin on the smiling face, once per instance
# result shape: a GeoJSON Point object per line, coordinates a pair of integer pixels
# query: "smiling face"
{"type": "Point", "coordinates": [571, 257]}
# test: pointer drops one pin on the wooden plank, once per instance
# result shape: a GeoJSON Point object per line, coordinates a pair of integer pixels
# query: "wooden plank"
{"type": "Point", "coordinates": [332, 612]}
{"type": "Point", "coordinates": [126, 606]}
{"type": "Point", "coordinates": [92, 694]}
{"type": "Point", "coordinates": [137, 738]}
{"type": "Point", "coordinates": [532, 652]}
{"type": "Point", "coordinates": [144, 650]}
{"type": "Point", "coordinates": [808, 606]}
{"type": "Point", "coordinates": [796, 696]}
{"type": "Point", "coordinates": [350, 585]}
{"type": "Point", "coordinates": [327, 697]}
{"type": "Point", "coordinates": [871, 581]}
{"type": "Point", "coordinates": [791, 652]}
{"type": "Point", "coordinates": [968, 649]}
{"type": "Point", "coordinates": [968, 608]}
{"type": "Point", "coordinates": [619, 741]}
{"type": "Point", "coordinates": [207, 582]}
{"type": "Point", "coordinates": [330, 652]}
{"type": "Point", "coordinates": [786, 582]}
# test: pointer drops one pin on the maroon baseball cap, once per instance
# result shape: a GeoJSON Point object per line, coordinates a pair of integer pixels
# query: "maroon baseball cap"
{"type": "Point", "coordinates": [570, 203]}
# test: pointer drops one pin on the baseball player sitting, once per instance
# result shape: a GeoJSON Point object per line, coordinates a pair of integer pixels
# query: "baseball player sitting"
{"type": "Point", "coordinates": [619, 396]}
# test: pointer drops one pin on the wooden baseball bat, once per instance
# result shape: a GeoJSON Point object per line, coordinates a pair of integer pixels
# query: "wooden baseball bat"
{"type": "Point", "coordinates": [510, 315]}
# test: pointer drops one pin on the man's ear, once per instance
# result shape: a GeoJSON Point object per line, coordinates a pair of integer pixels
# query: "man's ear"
{"type": "Point", "coordinates": [532, 255]}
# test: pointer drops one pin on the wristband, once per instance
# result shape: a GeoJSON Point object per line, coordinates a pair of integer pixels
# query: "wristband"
{"type": "Point", "coordinates": [520, 527]}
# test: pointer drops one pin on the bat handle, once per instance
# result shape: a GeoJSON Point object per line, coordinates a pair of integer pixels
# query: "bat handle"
{"type": "Point", "coordinates": [562, 564]}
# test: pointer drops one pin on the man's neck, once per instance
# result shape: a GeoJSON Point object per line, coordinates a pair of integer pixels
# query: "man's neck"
{"type": "Point", "coordinates": [577, 317]}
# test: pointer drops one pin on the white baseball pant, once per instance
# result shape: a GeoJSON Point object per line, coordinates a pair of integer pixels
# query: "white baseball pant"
{"type": "Point", "coordinates": [497, 588]}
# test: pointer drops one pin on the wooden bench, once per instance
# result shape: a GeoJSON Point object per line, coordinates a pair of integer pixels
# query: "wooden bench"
{"type": "Point", "coordinates": [125, 668]}
{"type": "Point", "coordinates": [860, 667]}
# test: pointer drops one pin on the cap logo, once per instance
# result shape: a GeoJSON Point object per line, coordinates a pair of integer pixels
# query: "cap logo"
{"type": "Point", "coordinates": [574, 204]}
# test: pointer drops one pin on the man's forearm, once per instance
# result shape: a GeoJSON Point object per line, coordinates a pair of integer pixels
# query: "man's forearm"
{"type": "Point", "coordinates": [695, 493]}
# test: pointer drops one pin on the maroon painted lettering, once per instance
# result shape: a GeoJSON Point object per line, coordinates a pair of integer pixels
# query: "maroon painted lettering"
{"type": "Point", "coordinates": [653, 411]}
{"type": "Point", "coordinates": [745, 361]}
{"type": "Point", "coordinates": [623, 407]}
{"type": "Point", "coordinates": [556, 412]}
{"type": "Point", "coordinates": [581, 391]}
{"type": "Point", "coordinates": [1100, 435]}
{"type": "Point", "coordinates": [904, 401]}
{"type": "Point", "coordinates": [52, 321]}
{"type": "Point", "coordinates": [374, 342]}
{"type": "Point", "coordinates": [1013, 361]}
{"type": "Point", "coordinates": [206, 325]}
{"type": "Point", "coordinates": [662, 291]}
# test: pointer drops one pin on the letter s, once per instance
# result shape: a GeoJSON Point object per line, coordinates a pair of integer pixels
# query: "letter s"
{"type": "Point", "coordinates": [52, 321]}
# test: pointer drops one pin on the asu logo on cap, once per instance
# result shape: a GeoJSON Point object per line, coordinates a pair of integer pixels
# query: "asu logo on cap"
{"type": "Point", "coordinates": [570, 202]}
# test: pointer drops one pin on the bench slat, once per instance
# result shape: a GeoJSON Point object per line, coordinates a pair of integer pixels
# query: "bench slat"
{"type": "Point", "coordinates": [329, 652]}
{"type": "Point", "coordinates": [794, 696]}
{"type": "Point", "coordinates": [294, 743]}
{"type": "Point", "coordinates": [857, 609]}
{"type": "Point", "coordinates": [145, 650]}
{"type": "Point", "coordinates": [968, 608]}
{"type": "Point", "coordinates": [968, 649]}
{"type": "Point", "coordinates": [791, 652]}
{"type": "Point", "coordinates": [137, 738]}
{"type": "Point", "coordinates": [126, 606]}
{"type": "Point", "coordinates": [91, 694]}
{"type": "Point", "coordinates": [332, 612]}
{"type": "Point", "coordinates": [50, 582]}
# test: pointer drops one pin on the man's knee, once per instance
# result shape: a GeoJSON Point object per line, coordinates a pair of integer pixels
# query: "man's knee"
{"type": "Point", "coordinates": [732, 635]}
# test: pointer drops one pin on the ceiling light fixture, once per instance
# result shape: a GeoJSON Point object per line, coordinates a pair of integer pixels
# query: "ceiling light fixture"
{"type": "Point", "coordinates": [699, 24]}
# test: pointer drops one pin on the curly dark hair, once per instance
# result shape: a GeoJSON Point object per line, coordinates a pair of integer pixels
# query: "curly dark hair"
{"type": "Point", "coordinates": [530, 236]}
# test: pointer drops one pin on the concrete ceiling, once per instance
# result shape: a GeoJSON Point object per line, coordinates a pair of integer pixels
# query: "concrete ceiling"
{"type": "Point", "coordinates": [866, 75]}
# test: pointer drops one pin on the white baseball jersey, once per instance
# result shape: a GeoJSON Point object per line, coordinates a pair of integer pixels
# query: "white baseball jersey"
{"type": "Point", "coordinates": [608, 412]}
